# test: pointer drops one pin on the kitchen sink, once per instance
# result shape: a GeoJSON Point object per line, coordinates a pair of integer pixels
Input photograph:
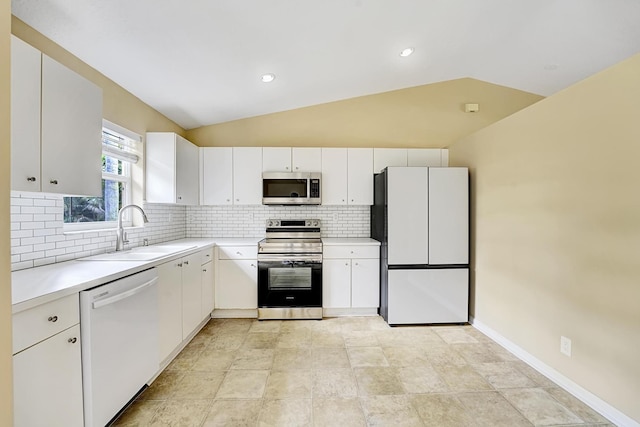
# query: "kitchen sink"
{"type": "Point", "coordinates": [141, 253]}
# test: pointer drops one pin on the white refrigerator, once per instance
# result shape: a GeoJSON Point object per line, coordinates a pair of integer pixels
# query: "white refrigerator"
{"type": "Point", "coordinates": [421, 217]}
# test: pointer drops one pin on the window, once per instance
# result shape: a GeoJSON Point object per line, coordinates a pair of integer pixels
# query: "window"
{"type": "Point", "coordinates": [119, 153]}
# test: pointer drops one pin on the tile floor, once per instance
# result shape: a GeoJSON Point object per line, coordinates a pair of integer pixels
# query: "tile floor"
{"type": "Point", "coordinates": [351, 372]}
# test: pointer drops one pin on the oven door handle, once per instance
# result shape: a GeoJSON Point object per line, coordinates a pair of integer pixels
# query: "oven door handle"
{"type": "Point", "coordinates": [293, 259]}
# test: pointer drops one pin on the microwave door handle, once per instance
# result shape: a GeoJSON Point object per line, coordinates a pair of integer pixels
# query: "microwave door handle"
{"type": "Point", "coordinates": [308, 187]}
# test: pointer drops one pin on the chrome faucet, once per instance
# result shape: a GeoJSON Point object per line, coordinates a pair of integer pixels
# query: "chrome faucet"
{"type": "Point", "coordinates": [121, 239]}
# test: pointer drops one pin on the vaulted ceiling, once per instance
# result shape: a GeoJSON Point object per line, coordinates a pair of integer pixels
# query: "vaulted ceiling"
{"type": "Point", "coordinates": [200, 62]}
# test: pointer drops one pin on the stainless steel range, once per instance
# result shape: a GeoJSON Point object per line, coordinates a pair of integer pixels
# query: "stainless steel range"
{"type": "Point", "coordinates": [290, 270]}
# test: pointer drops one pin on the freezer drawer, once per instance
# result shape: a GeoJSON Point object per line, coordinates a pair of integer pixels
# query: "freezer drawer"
{"type": "Point", "coordinates": [428, 296]}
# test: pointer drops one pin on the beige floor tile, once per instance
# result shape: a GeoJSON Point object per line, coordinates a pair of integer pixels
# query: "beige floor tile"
{"type": "Point", "coordinates": [288, 385]}
{"type": "Point", "coordinates": [285, 359]}
{"type": "Point", "coordinates": [420, 336]}
{"type": "Point", "coordinates": [455, 335]}
{"type": "Point", "coordinates": [326, 339]}
{"type": "Point", "coordinates": [213, 359]}
{"type": "Point", "coordinates": [361, 339]}
{"type": "Point", "coordinates": [390, 411]}
{"type": "Point", "coordinates": [366, 356]}
{"type": "Point", "coordinates": [352, 324]}
{"type": "Point", "coordinates": [444, 356]}
{"type": "Point", "coordinates": [163, 387]}
{"type": "Point", "coordinates": [406, 356]}
{"type": "Point", "coordinates": [231, 326]}
{"type": "Point", "coordinates": [139, 413]}
{"type": "Point", "coordinates": [294, 339]}
{"type": "Point", "coordinates": [233, 413]}
{"type": "Point", "coordinates": [198, 385]}
{"type": "Point", "coordinates": [265, 326]}
{"type": "Point", "coordinates": [181, 413]}
{"type": "Point", "coordinates": [338, 412]}
{"type": "Point", "coordinates": [253, 359]}
{"type": "Point", "coordinates": [585, 413]}
{"type": "Point", "coordinates": [227, 342]}
{"type": "Point", "coordinates": [501, 352]}
{"type": "Point", "coordinates": [476, 353]}
{"type": "Point", "coordinates": [329, 358]}
{"type": "Point", "coordinates": [463, 378]}
{"type": "Point", "coordinates": [503, 375]}
{"type": "Point", "coordinates": [285, 413]}
{"type": "Point", "coordinates": [421, 380]}
{"type": "Point", "coordinates": [299, 326]}
{"type": "Point", "coordinates": [442, 410]}
{"type": "Point", "coordinates": [536, 376]}
{"type": "Point", "coordinates": [334, 383]}
{"type": "Point", "coordinates": [540, 407]}
{"type": "Point", "coordinates": [241, 384]}
{"type": "Point", "coordinates": [187, 357]}
{"type": "Point", "coordinates": [260, 340]}
{"type": "Point", "coordinates": [491, 409]}
{"type": "Point", "coordinates": [377, 381]}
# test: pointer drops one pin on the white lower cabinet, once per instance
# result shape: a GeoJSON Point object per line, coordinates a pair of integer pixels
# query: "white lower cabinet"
{"type": "Point", "coordinates": [208, 278]}
{"type": "Point", "coordinates": [237, 278]}
{"type": "Point", "coordinates": [350, 277]}
{"type": "Point", "coordinates": [191, 293]}
{"type": "Point", "coordinates": [47, 367]}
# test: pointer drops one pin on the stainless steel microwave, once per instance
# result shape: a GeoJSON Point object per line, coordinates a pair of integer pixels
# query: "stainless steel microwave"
{"type": "Point", "coordinates": [291, 188]}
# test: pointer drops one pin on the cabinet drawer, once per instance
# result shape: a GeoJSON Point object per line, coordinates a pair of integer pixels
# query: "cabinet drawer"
{"type": "Point", "coordinates": [38, 323]}
{"type": "Point", "coordinates": [360, 251]}
{"type": "Point", "coordinates": [238, 252]}
{"type": "Point", "coordinates": [207, 255]}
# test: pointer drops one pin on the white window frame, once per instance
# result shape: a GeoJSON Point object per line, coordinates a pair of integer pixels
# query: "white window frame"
{"type": "Point", "coordinates": [126, 179]}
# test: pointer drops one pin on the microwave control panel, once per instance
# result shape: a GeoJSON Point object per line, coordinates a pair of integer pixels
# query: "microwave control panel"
{"type": "Point", "coordinates": [314, 191]}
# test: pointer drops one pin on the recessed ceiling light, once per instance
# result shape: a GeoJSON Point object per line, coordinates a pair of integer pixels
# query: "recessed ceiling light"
{"type": "Point", "coordinates": [268, 78]}
{"type": "Point", "coordinates": [406, 52]}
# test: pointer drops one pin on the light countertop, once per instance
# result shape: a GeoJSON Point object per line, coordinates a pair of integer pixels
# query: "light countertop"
{"type": "Point", "coordinates": [349, 241]}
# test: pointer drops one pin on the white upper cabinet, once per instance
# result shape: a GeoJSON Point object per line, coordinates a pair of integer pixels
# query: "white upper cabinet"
{"type": "Point", "coordinates": [276, 159]}
{"type": "Point", "coordinates": [171, 169]}
{"type": "Point", "coordinates": [25, 116]}
{"type": "Point", "coordinates": [383, 157]}
{"type": "Point", "coordinates": [286, 159]}
{"type": "Point", "coordinates": [306, 159]}
{"type": "Point", "coordinates": [247, 175]}
{"type": "Point", "coordinates": [334, 176]}
{"type": "Point", "coordinates": [56, 135]}
{"type": "Point", "coordinates": [217, 175]}
{"type": "Point", "coordinates": [360, 176]}
{"type": "Point", "coordinates": [425, 157]}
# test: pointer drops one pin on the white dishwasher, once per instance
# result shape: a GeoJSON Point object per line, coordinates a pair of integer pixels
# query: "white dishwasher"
{"type": "Point", "coordinates": [119, 330]}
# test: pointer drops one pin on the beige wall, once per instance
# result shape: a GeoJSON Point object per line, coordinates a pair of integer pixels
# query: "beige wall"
{"type": "Point", "coordinates": [423, 116]}
{"type": "Point", "coordinates": [556, 230]}
{"type": "Point", "coordinates": [6, 402]}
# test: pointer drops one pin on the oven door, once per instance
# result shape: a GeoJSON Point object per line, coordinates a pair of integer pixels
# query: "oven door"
{"type": "Point", "coordinates": [289, 281]}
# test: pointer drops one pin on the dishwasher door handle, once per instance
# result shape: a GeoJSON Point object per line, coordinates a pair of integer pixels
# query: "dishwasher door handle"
{"type": "Point", "coordinates": [125, 294]}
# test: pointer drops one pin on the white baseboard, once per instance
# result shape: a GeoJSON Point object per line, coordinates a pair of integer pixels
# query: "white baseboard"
{"type": "Point", "coordinates": [346, 312]}
{"type": "Point", "coordinates": [590, 399]}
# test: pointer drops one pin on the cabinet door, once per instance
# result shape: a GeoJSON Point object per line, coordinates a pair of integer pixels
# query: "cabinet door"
{"type": "Point", "coordinates": [365, 283]}
{"type": "Point", "coordinates": [71, 132]}
{"type": "Point", "coordinates": [360, 176]}
{"type": "Point", "coordinates": [207, 290]}
{"type": "Point", "coordinates": [424, 157]}
{"type": "Point", "coordinates": [276, 159]}
{"type": "Point", "coordinates": [186, 172]}
{"type": "Point", "coordinates": [217, 175]}
{"type": "Point", "coordinates": [47, 382]}
{"type": "Point", "coordinates": [160, 167]}
{"type": "Point", "coordinates": [336, 283]}
{"type": "Point", "coordinates": [306, 159]}
{"type": "Point", "coordinates": [383, 157]}
{"type": "Point", "coordinates": [191, 293]}
{"type": "Point", "coordinates": [247, 175]}
{"type": "Point", "coordinates": [334, 176]}
{"type": "Point", "coordinates": [237, 284]}
{"type": "Point", "coordinates": [169, 307]}
{"type": "Point", "coordinates": [25, 116]}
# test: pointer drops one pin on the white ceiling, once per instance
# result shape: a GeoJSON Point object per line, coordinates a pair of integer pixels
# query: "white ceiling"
{"type": "Point", "coordinates": [199, 61]}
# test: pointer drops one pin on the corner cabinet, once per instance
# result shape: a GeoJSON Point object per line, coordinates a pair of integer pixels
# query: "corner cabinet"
{"type": "Point", "coordinates": [171, 169]}
{"type": "Point", "coordinates": [47, 366]}
{"type": "Point", "coordinates": [56, 126]}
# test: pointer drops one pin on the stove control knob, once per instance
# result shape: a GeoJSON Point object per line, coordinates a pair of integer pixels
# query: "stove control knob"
{"type": "Point", "coordinates": [270, 224]}
{"type": "Point", "coordinates": [315, 223]}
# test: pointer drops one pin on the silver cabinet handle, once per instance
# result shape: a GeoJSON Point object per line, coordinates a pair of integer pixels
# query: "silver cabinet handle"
{"type": "Point", "coordinates": [253, 265]}
{"type": "Point", "coordinates": [31, 179]}
{"type": "Point", "coordinates": [179, 197]}
{"type": "Point", "coordinates": [356, 263]}
{"type": "Point", "coordinates": [237, 200]}
{"type": "Point", "coordinates": [186, 263]}
{"type": "Point", "coordinates": [204, 270]}
{"type": "Point", "coordinates": [53, 319]}
{"type": "Point", "coordinates": [238, 253]}
{"type": "Point", "coordinates": [179, 264]}
{"type": "Point", "coordinates": [346, 263]}
{"type": "Point", "coordinates": [72, 340]}
{"type": "Point", "coordinates": [53, 181]}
